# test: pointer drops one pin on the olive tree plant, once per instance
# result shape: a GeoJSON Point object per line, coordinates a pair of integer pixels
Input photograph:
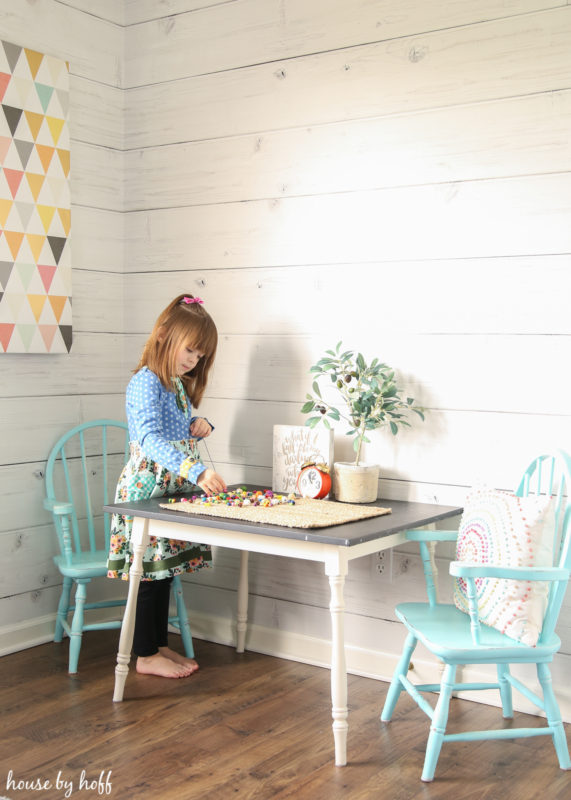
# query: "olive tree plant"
{"type": "Point", "coordinates": [369, 396]}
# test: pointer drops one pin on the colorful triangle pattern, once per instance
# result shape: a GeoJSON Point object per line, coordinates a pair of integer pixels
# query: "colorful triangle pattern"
{"type": "Point", "coordinates": [35, 206]}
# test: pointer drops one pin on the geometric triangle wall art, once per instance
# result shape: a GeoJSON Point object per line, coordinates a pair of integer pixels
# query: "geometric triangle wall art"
{"type": "Point", "coordinates": [35, 214]}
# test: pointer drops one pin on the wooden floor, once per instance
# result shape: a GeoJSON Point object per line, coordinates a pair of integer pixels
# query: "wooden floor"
{"type": "Point", "coordinates": [245, 726]}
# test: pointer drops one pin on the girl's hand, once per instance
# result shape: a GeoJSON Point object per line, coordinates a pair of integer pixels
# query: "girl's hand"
{"type": "Point", "coordinates": [200, 428]}
{"type": "Point", "coordinates": [211, 482]}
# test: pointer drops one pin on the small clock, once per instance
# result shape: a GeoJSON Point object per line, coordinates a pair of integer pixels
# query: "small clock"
{"type": "Point", "coordinates": [314, 481]}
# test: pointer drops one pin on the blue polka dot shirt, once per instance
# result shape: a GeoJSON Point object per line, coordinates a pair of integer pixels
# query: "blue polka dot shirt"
{"type": "Point", "coordinates": [155, 420]}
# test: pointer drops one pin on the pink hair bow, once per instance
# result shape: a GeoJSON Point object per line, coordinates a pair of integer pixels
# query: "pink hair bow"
{"type": "Point", "coordinates": [189, 300]}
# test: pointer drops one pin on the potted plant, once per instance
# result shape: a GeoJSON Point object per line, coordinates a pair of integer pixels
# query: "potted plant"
{"type": "Point", "coordinates": [370, 399]}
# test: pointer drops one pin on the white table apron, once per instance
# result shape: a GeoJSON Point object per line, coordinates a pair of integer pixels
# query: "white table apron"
{"type": "Point", "coordinates": [335, 559]}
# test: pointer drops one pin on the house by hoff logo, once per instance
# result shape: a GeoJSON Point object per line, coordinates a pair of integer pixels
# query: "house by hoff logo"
{"type": "Point", "coordinates": [98, 785]}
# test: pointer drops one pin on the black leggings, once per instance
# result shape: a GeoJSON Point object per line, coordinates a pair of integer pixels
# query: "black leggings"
{"type": "Point", "coordinates": [152, 617]}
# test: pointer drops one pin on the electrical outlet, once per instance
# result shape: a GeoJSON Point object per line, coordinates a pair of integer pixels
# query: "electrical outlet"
{"type": "Point", "coordinates": [382, 564]}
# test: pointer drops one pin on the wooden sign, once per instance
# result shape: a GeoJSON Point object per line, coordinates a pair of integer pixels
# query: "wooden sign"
{"type": "Point", "coordinates": [295, 445]}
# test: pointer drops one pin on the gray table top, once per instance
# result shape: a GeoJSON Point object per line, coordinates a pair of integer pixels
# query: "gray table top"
{"type": "Point", "coordinates": [405, 515]}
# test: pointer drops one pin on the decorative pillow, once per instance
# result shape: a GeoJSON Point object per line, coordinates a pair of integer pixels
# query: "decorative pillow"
{"type": "Point", "coordinates": [504, 530]}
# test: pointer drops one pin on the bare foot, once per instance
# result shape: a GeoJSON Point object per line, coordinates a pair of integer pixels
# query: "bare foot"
{"type": "Point", "coordinates": [189, 663]}
{"type": "Point", "coordinates": [161, 666]}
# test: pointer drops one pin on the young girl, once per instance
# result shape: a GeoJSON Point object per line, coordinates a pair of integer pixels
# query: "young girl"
{"type": "Point", "coordinates": [170, 378]}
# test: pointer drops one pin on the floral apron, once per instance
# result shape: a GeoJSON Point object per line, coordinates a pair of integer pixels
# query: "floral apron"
{"type": "Point", "coordinates": [141, 479]}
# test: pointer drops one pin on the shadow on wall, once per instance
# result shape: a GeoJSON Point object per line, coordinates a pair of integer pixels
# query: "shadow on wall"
{"type": "Point", "coordinates": [276, 365]}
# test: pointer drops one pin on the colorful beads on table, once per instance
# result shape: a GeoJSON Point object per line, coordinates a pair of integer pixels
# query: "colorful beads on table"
{"type": "Point", "coordinates": [239, 497]}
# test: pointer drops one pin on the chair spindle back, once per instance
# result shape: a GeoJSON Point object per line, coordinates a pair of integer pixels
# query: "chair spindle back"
{"type": "Point", "coordinates": [71, 475]}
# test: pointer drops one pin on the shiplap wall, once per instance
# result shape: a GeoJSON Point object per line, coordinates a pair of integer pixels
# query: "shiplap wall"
{"type": "Point", "coordinates": [43, 396]}
{"type": "Point", "coordinates": [394, 174]}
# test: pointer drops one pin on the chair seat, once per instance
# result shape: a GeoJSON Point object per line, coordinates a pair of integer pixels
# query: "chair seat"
{"type": "Point", "coordinates": [445, 631]}
{"type": "Point", "coordinates": [83, 565]}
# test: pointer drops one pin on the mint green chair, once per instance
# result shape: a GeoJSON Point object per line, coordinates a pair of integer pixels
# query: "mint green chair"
{"type": "Point", "coordinates": [81, 476]}
{"type": "Point", "coordinates": [456, 638]}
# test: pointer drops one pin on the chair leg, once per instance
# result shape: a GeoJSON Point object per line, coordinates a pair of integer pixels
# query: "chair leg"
{"type": "Point", "coordinates": [395, 688]}
{"type": "Point", "coordinates": [183, 623]}
{"type": "Point", "coordinates": [77, 624]}
{"type": "Point", "coordinates": [554, 716]}
{"type": "Point", "coordinates": [505, 691]}
{"type": "Point", "coordinates": [63, 608]}
{"type": "Point", "coordinates": [439, 720]}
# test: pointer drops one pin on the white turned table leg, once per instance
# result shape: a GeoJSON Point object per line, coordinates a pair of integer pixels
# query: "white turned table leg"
{"type": "Point", "coordinates": [140, 539]}
{"type": "Point", "coordinates": [339, 710]}
{"type": "Point", "coordinates": [242, 605]}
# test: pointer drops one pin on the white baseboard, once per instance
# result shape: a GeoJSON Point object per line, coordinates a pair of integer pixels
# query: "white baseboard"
{"type": "Point", "coordinates": [369, 663]}
{"type": "Point", "coordinates": [40, 630]}
{"type": "Point", "coordinates": [27, 634]}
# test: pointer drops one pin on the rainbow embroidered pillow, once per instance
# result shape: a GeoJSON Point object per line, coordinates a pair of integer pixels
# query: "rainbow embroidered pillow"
{"type": "Point", "coordinates": [502, 529]}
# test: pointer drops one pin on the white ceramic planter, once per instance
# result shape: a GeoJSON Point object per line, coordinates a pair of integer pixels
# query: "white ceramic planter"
{"type": "Point", "coordinates": [355, 483]}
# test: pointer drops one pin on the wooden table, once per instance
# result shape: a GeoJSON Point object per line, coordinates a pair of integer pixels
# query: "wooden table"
{"type": "Point", "coordinates": [334, 546]}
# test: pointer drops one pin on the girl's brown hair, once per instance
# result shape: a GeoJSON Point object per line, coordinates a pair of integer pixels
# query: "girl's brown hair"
{"type": "Point", "coordinates": [181, 325]}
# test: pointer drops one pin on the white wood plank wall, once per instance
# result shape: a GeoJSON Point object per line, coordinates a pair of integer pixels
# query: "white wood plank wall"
{"type": "Point", "coordinates": [396, 174]}
{"type": "Point", "coordinates": [393, 173]}
{"type": "Point", "coordinates": [43, 396]}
